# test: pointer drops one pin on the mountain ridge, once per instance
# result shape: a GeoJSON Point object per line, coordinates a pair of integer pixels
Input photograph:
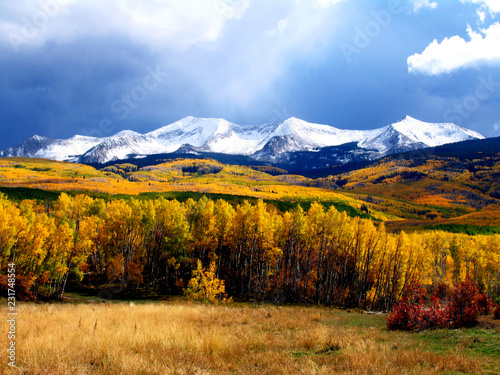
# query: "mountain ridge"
{"type": "Point", "coordinates": [269, 142]}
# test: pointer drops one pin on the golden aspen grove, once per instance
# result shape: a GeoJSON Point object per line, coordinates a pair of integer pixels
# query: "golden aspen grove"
{"type": "Point", "coordinates": [319, 256]}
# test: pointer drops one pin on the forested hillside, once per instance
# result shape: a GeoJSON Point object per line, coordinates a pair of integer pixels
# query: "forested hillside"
{"type": "Point", "coordinates": [314, 256]}
{"type": "Point", "coordinates": [173, 179]}
{"type": "Point", "coordinates": [445, 184]}
{"type": "Point", "coordinates": [353, 240]}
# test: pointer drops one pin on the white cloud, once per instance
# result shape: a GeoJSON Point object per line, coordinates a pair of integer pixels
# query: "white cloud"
{"type": "Point", "coordinates": [159, 24]}
{"type": "Point", "coordinates": [455, 52]}
{"type": "Point", "coordinates": [282, 26]}
{"type": "Point", "coordinates": [326, 3]}
{"type": "Point", "coordinates": [255, 65]}
{"type": "Point", "coordinates": [280, 29]}
{"type": "Point", "coordinates": [492, 5]}
{"type": "Point", "coordinates": [423, 4]}
{"type": "Point", "coordinates": [482, 16]}
{"type": "Point", "coordinates": [242, 70]}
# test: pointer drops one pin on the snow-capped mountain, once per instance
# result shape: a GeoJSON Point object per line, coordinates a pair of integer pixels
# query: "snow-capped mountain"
{"type": "Point", "coordinates": [266, 142]}
{"type": "Point", "coordinates": [410, 134]}
{"type": "Point", "coordinates": [57, 149]}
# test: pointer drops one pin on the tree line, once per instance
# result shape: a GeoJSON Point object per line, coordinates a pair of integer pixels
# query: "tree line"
{"type": "Point", "coordinates": [319, 256]}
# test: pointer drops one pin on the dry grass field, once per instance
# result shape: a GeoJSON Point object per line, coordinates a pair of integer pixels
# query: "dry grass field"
{"type": "Point", "coordinates": [183, 338]}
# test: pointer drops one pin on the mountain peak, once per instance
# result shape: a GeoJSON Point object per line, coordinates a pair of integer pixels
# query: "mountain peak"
{"type": "Point", "coordinates": [409, 118]}
{"type": "Point", "coordinates": [433, 134]}
{"type": "Point", "coordinates": [408, 121]}
{"type": "Point", "coordinates": [287, 127]}
{"type": "Point", "coordinates": [273, 141]}
{"type": "Point", "coordinates": [37, 137]}
{"type": "Point", "coordinates": [294, 120]}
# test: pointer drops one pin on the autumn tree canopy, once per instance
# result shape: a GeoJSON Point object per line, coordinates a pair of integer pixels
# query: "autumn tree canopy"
{"type": "Point", "coordinates": [319, 256]}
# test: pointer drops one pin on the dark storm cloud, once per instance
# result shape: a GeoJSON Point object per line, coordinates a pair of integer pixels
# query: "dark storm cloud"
{"type": "Point", "coordinates": [95, 68]}
{"type": "Point", "coordinates": [65, 88]}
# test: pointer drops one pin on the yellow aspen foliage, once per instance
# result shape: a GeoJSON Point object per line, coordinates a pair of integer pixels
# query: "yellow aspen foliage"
{"type": "Point", "coordinates": [62, 250]}
{"type": "Point", "coordinates": [320, 256]}
{"type": "Point", "coordinates": [73, 208]}
{"type": "Point", "coordinates": [224, 213]}
{"type": "Point", "coordinates": [171, 230]}
{"type": "Point", "coordinates": [273, 255]}
{"type": "Point", "coordinates": [202, 221]}
{"type": "Point", "coordinates": [11, 224]}
{"type": "Point", "coordinates": [123, 225]}
{"type": "Point", "coordinates": [33, 240]}
{"type": "Point", "coordinates": [204, 286]}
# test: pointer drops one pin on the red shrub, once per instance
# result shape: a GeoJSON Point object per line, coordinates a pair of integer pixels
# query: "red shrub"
{"type": "Point", "coordinates": [407, 314]}
{"type": "Point", "coordinates": [484, 304]}
{"type": "Point", "coordinates": [464, 305]}
{"type": "Point", "coordinates": [442, 291]}
{"type": "Point", "coordinates": [462, 308]}
{"type": "Point", "coordinates": [496, 312]}
{"type": "Point", "coordinates": [436, 315]}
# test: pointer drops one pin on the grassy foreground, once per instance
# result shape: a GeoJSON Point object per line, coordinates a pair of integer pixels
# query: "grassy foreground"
{"type": "Point", "coordinates": [182, 338]}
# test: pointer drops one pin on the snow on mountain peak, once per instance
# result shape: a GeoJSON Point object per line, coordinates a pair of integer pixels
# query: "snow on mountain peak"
{"type": "Point", "coordinates": [84, 138]}
{"type": "Point", "coordinates": [37, 137]}
{"type": "Point", "coordinates": [433, 134]}
{"type": "Point", "coordinates": [287, 127]}
{"type": "Point", "coordinates": [318, 135]}
{"type": "Point", "coordinates": [223, 126]}
{"type": "Point", "coordinates": [126, 133]}
{"type": "Point", "coordinates": [221, 136]}
{"type": "Point", "coordinates": [408, 118]}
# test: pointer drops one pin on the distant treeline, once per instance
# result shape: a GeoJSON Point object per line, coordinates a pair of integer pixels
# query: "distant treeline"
{"type": "Point", "coordinates": [470, 229]}
{"type": "Point", "coordinates": [319, 256]}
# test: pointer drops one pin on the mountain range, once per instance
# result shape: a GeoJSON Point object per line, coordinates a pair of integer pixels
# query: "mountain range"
{"type": "Point", "coordinates": [291, 142]}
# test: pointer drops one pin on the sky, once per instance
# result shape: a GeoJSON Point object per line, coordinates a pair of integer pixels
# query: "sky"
{"type": "Point", "coordinates": [95, 67]}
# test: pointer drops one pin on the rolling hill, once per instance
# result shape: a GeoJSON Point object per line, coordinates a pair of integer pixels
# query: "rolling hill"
{"type": "Point", "coordinates": [456, 183]}
{"type": "Point", "coordinates": [180, 179]}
